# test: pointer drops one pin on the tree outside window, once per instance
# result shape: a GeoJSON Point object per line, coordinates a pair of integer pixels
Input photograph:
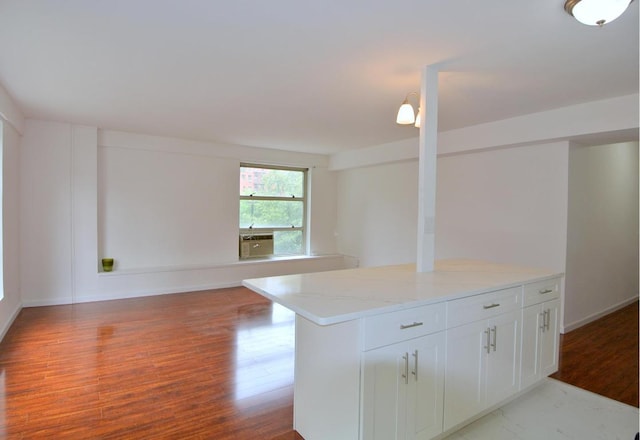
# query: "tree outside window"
{"type": "Point", "coordinates": [273, 200]}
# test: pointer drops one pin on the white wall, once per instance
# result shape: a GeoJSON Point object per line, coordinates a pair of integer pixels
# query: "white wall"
{"type": "Point", "coordinates": [161, 209]}
{"type": "Point", "coordinates": [11, 303]}
{"type": "Point", "coordinates": [323, 210]}
{"type": "Point", "coordinates": [374, 200]}
{"type": "Point", "coordinates": [609, 118]}
{"type": "Point", "coordinates": [377, 213]}
{"type": "Point", "coordinates": [165, 209]}
{"type": "Point", "coordinates": [602, 247]}
{"type": "Point", "coordinates": [507, 205]}
{"type": "Point", "coordinates": [45, 211]}
{"type": "Point", "coordinates": [10, 112]}
{"type": "Point", "coordinates": [502, 190]}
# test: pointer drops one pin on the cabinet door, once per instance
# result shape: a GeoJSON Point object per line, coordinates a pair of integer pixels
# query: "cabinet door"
{"type": "Point", "coordinates": [550, 339]}
{"type": "Point", "coordinates": [532, 320]}
{"type": "Point", "coordinates": [426, 386]}
{"type": "Point", "coordinates": [540, 342]}
{"type": "Point", "coordinates": [385, 378]}
{"type": "Point", "coordinates": [503, 357]}
{"type": "Point", "coordinates": [464, 372]}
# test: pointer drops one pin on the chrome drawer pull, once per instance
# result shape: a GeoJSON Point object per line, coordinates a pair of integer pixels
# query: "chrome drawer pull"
{"type": "Point", "coordinates": [406, 326]}
{"type": "Point", "coordinates": [545, 291]}
{"type": "Point", "coordinates": [491, 306]}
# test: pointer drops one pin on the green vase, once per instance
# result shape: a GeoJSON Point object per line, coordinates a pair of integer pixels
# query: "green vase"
{"type": "Point", "coordinates": [107, 264]}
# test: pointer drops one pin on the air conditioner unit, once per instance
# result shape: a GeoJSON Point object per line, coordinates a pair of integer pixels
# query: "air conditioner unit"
{"type": "Point", "coordinates": [256, 245]}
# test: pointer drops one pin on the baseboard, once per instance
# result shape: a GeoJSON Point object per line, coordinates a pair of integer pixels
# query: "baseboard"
{"type": "Point", "coordinates": [10, 321]}
{"type": "Point", "coordinates": [596, 316]}
{"type": "Point", "coordinates": [48, 302]}
{"type": "Point", "coordinates": [154, 292]}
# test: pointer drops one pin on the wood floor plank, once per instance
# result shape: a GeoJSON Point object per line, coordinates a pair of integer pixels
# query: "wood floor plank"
{"type": "Point", "coordinates": [602, 356]}
{"type": "Point", "coordinates": [201, 365]}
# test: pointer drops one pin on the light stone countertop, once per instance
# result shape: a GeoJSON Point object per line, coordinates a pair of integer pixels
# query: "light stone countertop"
{"type": "Point", "coordinates": [343, 295]}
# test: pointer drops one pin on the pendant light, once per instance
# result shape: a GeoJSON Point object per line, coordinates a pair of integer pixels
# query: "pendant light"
{"type": "Point", "coordinates": [406, 114]}
{"type": "Point", "coordinates": [596, 12]}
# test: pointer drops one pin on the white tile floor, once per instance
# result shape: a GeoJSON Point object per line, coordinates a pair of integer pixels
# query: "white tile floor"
{"type": "Point", "coordinates": [555, 410]}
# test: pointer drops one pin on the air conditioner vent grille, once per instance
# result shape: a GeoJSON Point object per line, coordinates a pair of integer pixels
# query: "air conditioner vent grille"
{"type": "Point", "coordinates": [256, 245]}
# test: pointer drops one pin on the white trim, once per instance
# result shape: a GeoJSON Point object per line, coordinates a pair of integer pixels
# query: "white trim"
{"type": "Point", "coordinates": [129, 295]}
{"type": "Point", "coordinates": [136, 141]}
{"type": "Point", "coordinates": [2, 193]}
{"type": "Point", "coordinates": [156, 292]}
{"type": "Point", "coordinates": [10, 112]}
{"type": "Point", "coordinates": [214, 266]}
{"type": "Point", "coordinates": [66, 300]}
{"type": "Point", "coordinates": [598, 315]}
{"type": "Point", "coordinates": [72, 182]}
{"type": "Point", "coordinates": [613, 118]}
{"type": "Point", "coordinates": [427, 165]}
{"type": "Point", "coordinates": [397, 151]}
{"type": "Point", "coordinates": [9, 322]}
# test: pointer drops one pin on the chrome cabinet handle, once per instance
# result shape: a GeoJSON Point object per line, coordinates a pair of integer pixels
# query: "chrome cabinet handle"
{"type": "Point", "coordinates": [415, 365]}
{"type": "Point", "coordinates": [545, 291]}
{"type": "Point", "coordinates": [405, 375]}
{"type": "Point", "coordinates": [548, 321]}
{"type": "Point", "coordinates": [491, 306]}
{"type": "Point", "coordinates": [406, 326]}
{"type": "Point", "coordinates": [495, 337]}
{"type": "Point", "coordinates": [488, 346]}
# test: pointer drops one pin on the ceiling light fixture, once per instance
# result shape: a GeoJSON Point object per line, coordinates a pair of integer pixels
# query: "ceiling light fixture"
{"type": "Point", "coordinates": [596, 12]}
{"type": "Point", "coordinates": [406, 115]}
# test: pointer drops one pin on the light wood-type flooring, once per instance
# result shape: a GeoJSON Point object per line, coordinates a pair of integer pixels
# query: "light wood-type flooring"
{"type": "Point", "coordinates": [204, 365]}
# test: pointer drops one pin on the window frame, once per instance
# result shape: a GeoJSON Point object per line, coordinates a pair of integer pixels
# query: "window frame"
{"type": "Point", "coordinates": [266, 230]}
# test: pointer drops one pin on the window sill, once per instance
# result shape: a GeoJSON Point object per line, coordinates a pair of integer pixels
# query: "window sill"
{"type": "Point", "coordinates": [214, 266]}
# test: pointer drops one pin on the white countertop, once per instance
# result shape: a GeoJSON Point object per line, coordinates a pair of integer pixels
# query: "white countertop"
{"type": "Point", "coordinates": [343, 295]}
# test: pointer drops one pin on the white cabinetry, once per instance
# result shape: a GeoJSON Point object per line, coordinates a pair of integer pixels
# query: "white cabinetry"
{"type": "Point", "coordinates": [540, 336]}
{"type": "Point", "coordinates": [483, 354]}
{"type": "Point", "coordinates": [402, 392]}
{"type": "Point", "coordinates": [423, 371]}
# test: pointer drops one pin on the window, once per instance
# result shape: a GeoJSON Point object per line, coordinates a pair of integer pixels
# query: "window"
{"type": "Point", "coordinates": [273, 201]}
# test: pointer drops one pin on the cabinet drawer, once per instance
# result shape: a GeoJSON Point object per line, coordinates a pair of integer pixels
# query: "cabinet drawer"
{"type": "Point", "coordinates": [486, 305]}
{"type": "Point", "coordinates": [541, 291]}
{"type": "Point", "coordinates": [389, 328]}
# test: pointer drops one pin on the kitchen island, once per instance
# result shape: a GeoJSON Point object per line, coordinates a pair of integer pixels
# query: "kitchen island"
{"type": "Point", "coordinates": [391, 353]}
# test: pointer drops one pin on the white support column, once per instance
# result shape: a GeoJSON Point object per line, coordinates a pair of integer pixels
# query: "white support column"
{"type": "Point", "coordinates": [427, 172]}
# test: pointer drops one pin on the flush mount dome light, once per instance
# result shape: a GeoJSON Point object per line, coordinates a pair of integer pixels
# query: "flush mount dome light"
{"type": "Point", "coordinates": [596, 12]}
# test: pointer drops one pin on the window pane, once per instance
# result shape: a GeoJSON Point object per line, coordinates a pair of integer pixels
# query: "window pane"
{"type": "Point", "coordinates": [270, 213]}
{"type": "Point", "coordinates": [273, 183]}
{"type": "Point", "coordinates": [287, 242]}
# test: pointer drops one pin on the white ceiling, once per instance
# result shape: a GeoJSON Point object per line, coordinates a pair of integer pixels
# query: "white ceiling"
{"type": "Point", "coordinates": [320, 77]}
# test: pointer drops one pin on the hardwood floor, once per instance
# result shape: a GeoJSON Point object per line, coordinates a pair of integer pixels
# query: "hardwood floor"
{"type": "Point", "coordinates": [602, 356]}
{"type": "Point", "coordinates": [203, 365]}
